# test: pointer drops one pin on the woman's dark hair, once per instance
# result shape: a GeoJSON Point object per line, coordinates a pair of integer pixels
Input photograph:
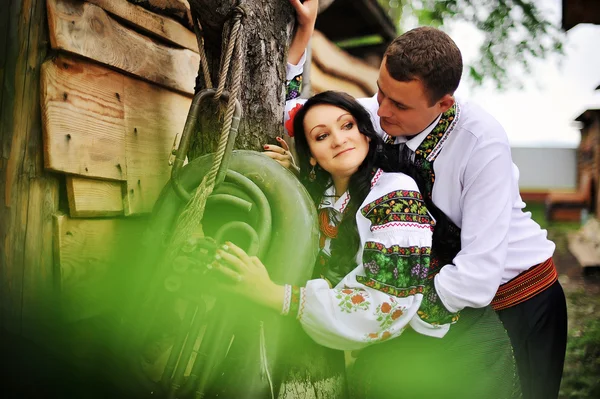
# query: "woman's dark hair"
{"type": "Point", "coordinates": [344, 247]}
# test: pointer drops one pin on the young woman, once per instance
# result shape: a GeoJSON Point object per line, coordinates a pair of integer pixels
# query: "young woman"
{"type": "Point", "coordinates": [376, 294]}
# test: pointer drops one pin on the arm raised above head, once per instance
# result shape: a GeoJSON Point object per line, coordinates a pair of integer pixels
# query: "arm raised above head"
{"type": "Point", "coordinates": [306, 16]}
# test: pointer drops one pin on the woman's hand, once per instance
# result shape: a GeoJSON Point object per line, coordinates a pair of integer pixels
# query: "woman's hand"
{"type": "Point", "coordinates": [306, 16]}
{"type": "Point", "coordinates": [248, 276]}
{"type": "Point", "coordinates": [306, 12]}
{"type": "Point", "coordinates": [281, 154]}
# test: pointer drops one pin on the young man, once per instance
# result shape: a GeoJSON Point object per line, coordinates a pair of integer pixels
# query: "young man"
{"type": "Point", "coordinates": [504, 257]}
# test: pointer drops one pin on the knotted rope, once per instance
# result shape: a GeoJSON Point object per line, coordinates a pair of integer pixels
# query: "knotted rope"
{"type": "Point", "coordinates": [189, 222]}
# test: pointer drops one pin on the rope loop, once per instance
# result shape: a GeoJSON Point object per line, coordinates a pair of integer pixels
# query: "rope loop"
{"type": "Point", "coordinates": [191, 217]}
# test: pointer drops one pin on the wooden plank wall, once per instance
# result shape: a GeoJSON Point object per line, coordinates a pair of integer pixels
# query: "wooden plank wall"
{"type": "Point", "coordinates": [113, 100]}
{"type": "Point", "coordinates": [87, 30]}
{"type": "Point", "coordinates": [93, 255]}
{"type": "Point", "coordinates": [28, 195]}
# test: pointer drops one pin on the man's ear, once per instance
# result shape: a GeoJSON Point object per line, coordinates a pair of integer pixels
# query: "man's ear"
{"type": "Point", "coordinates": [445, 103]}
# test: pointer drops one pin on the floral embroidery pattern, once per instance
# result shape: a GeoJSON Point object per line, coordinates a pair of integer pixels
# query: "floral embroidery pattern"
{"type": "Point", "coordinates": [433, 311]}
{"type": "Point", "coordinates": [388, 289]}
{"type": "Point", "coordinates": [352, 299]}
{"type": "Point", "coordinates": [382, 336]}
{"type": "Point", "coordinates": [424, 158]}
{"type": "Point", "coordinates": [387, 312]}
{"type": "Point", "coordinates": [438, 134]}
{"type": "Point", "coordinates": [397, 206]}
{"type": "Point", "coordinates": [429, 147]}
{"type": "Point", "coordinates": [398, 271]}
{"type": "Point", "coordinates": [294, 87]}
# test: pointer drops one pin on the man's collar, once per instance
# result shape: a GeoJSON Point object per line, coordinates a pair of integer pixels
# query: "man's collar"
{"type": "Point", "coordinates": [415, 141]}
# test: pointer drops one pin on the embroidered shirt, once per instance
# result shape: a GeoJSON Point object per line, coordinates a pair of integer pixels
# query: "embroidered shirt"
{"type": "Point", "coordinates": [391, 289]}
{"type": "Point", "coordinates": [476, 186]}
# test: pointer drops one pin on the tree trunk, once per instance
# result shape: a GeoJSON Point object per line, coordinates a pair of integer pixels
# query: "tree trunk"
{"type": "Point", "coordinates": [266, 33]}
{"type": "Point", "coordinates": [267, 30]}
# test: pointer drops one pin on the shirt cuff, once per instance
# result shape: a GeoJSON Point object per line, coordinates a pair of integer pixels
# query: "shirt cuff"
{"type": "Point", "coordinates": [442, 296]}
{"type": "Point", "coordinates": [294, 70]}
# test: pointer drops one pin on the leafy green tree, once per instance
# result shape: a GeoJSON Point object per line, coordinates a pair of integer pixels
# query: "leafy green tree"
{"type": "Point", "coordinates": [515, 32]}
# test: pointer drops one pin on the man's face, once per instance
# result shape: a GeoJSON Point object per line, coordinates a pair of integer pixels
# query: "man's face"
{"type": "Point", "coordinates": [404, 108]}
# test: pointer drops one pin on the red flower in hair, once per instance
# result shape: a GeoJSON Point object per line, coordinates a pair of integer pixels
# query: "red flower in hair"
{"type": "Point", "coordinates": [289, 124]}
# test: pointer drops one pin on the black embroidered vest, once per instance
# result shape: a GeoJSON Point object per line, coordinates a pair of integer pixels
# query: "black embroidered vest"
{"type": "Point", "coordinates": [449, 242]}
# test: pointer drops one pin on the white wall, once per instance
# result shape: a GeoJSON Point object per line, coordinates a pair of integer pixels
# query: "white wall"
{"type": "Point", "coordinates": [546, 168]}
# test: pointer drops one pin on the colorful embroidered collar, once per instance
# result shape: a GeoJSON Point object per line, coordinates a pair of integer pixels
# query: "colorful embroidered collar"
{"type": "Point", "coordinates": [431, 146]}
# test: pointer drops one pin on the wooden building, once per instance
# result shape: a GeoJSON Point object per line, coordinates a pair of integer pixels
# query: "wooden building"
{"type": "Point", "coordinates": [570, 205]}
{"type": "Point", "coordinates": [584, 244]}
{"type": "Point", "coordinates": [94, 94]}
{"type": "Point", "coordinates": [576, 12]}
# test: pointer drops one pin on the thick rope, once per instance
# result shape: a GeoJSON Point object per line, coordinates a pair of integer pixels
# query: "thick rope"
{"type": "Point", "coordinates": [233, 95]}
{"type": "Point", "coordinates": [189, 221]}
{"type": "Point", "coordinates": [203, 60]}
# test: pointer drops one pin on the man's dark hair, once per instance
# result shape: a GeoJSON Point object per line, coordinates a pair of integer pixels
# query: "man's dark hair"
{"type": "Point", "coordinates": [429, 55]}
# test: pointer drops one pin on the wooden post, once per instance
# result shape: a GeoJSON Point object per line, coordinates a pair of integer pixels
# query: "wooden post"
{"type": "Point", "coordinates": [28, 195]}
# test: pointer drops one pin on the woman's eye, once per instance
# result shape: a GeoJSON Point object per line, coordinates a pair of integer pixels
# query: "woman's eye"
{"type": "Point", "coordinates": [348, 126]}
{"type": "Point", "coordinates": [321, 137]}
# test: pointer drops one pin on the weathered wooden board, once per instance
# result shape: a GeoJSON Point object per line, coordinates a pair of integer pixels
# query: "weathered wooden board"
{"type": "Point", "coordinates": [152, 23]}
{"type": "Point", "coordinates": [91, 198]}
{"type": "Point", "coordinates": [91, 255]}
{"type": "Point", "coordinates": [100, 123]}
{"type": "Point", "coordinates": [87, 30]}
{"type": "Point", "coordinates": [83, 118]}
{"type": "Point", "coordinates": [320, 81]}
{"type": "Point", "coordinates": [28, 195]}
{"type": "Point", "coordinates": [179, 10]}
{"type": "Point", "coordinates": [334, 61]}
{"type": "Point", "coordinates": [153, 118]}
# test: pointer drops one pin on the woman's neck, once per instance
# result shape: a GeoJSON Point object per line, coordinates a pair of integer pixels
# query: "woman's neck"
{"type": "Point", "coordinates": [341, 185]}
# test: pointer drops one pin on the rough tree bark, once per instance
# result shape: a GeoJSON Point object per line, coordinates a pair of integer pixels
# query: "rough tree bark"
{"type": "Point", "coordinates": [267, 29]}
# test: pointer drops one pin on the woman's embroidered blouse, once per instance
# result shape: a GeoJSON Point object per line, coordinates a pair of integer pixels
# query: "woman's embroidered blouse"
{"type": "Point", "coordinates": [392, 288]}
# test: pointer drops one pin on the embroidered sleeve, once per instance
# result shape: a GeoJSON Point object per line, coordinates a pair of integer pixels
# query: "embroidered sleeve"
{"type": "Point", "coordinates": [293, 102]}
{"type": "Point", "coordinates": [391, 290]}
{"type": "Point", "coordinates": [398, 208]}
{"type": "Point", "coordinates": [293, 88]}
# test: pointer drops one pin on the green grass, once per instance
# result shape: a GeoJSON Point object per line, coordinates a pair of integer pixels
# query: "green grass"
{"type": "Point", "coordinates": [581, 377]}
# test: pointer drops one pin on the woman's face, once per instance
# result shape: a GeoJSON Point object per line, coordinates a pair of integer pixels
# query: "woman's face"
{"type": "Point", "coordinates": [334, 140]}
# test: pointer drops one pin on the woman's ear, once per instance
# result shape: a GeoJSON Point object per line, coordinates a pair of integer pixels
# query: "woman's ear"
{"type": "Point", "coordinates": [313, 162]}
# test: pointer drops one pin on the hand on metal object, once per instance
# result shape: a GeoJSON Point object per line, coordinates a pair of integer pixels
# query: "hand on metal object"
{"type": "Point", "coordinates": [280, 154]}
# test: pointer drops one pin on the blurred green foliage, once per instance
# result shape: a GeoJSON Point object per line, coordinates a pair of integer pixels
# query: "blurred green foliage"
{"type": "Point", "coordinates": [515, 32]}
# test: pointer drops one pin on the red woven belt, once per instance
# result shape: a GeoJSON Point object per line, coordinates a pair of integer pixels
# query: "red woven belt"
{"type": "Point", "coordinates": [526, 285]}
